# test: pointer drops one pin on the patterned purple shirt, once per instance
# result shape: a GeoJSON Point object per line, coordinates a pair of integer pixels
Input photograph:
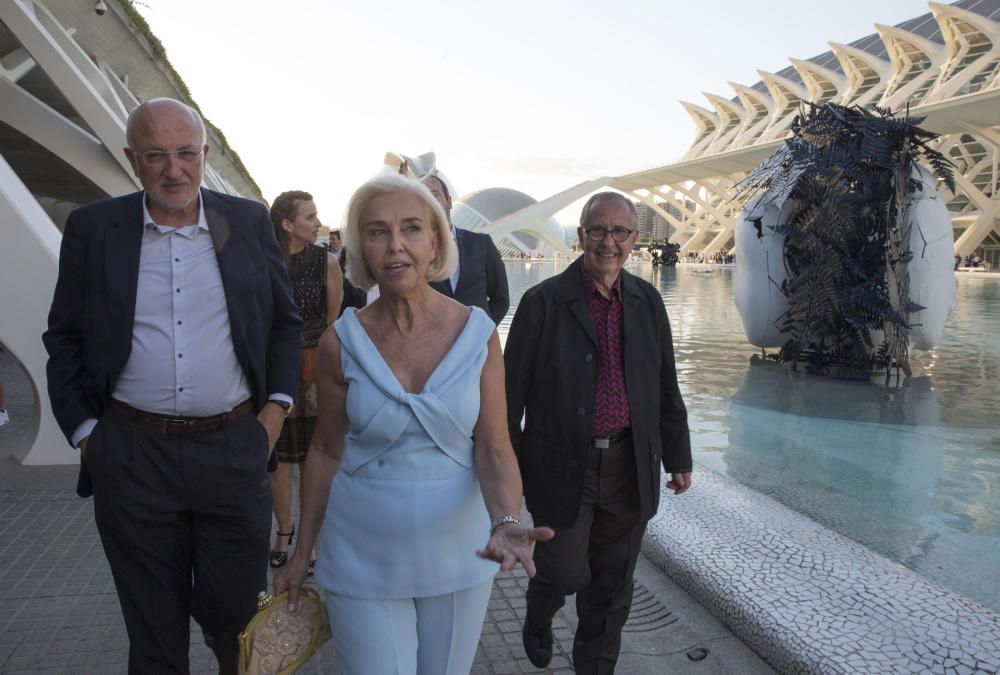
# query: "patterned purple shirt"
{"type": "Point", "coordinates": [611, 409]}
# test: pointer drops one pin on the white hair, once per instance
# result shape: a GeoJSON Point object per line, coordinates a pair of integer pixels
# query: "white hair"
{"type": "Point", "coordinates": [387, 182]}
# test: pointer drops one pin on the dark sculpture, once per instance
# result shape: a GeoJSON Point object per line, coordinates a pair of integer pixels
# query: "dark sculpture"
{"type": "Point", "coordinates": [665, 253]}
{"type": "Point", "coordinates": [844, 182]}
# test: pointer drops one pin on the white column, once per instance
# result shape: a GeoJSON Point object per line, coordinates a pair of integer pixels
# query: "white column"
{"type": "Point", "coordinates": [29, 257]}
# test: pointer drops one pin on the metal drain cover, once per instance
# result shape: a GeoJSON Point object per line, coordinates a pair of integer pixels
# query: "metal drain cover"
{"type": "Point", "coordinates": [647, 613]}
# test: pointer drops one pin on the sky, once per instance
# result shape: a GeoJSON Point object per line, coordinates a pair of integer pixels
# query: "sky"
{"type": "Point", "coordinates": [534, 95]}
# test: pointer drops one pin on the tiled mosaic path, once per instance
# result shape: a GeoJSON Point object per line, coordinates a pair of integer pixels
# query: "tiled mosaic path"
{"type": "Point", "coordinates": [59, 612]}
{"type": "Point", "coordinates": [805, 598]}
{"type": "Point", "coordinates": [809, 600]}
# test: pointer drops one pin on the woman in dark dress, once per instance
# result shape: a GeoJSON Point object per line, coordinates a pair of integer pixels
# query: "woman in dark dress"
{"type": "Point", "coordinates": [318, 287]}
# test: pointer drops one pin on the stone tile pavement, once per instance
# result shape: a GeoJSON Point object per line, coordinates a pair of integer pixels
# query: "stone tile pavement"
{"type": "Point", "coordinates": [59, 612]}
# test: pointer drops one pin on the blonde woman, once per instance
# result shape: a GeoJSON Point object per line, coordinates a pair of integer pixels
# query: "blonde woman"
{"type": "Point", "coordinates": [425, 494]}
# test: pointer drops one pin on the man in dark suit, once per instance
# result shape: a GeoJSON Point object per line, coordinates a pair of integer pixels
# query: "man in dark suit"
{"type": "Point", "coordinates": [480, 279]}
{"type": "Point", "coordinates": [338, 250]}
{"type": "Point", "coordinates": [352, 295]}
{"type": "Point", "coordinates": [590, 366]}
{"type": "Point", "coordinates": [173, 347]}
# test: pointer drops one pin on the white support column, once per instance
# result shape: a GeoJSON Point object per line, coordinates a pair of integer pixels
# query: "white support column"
{"type": "Point", "coordinates": [693, 195]}
{"type": "Point", "coordinates": [714, 213]}
{"type": "Point", "coordinates": [698, 236]}
{"type": "Point", "coordinates": [16, 65]}
{"type": "Point", "coordinates": [971, 239]}
{"type": "Point", "coordinates": [62, 138]}
{"type": "Point", "coordinates": [66, 64]}
{"type": "Point", "coordinates": [720, 239]}
{"type": "Point", "coordinates": [125, 97]}
{"type": "Point", "coordinates": [987, 218]}
{"type": "Point", "coordinates": [29, 254]}
{"type": "Point", "coordinates": [63, 38]}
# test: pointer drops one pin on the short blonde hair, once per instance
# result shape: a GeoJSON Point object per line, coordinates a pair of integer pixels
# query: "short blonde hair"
{"type": "Point", "coordinates": [387, 182]}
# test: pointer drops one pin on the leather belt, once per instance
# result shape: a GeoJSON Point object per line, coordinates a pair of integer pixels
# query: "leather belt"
{"type": "Point", "coordinates": [605, 440]}
{"type": "Point", "coordinates": [175, 425]}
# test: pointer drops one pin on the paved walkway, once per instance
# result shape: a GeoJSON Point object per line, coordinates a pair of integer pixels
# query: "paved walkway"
{"type": "Point", "coordinates": [59, 612]}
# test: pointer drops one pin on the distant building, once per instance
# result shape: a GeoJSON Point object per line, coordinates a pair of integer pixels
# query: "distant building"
{"type": "Point", "coordinates": [652, 226]}
{"type": "Point", "coordinates": [477, 211]}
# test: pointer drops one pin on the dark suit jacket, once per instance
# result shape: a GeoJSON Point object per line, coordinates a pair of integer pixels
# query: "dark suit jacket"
{"type": "Point", "coordinates": [551, 365]}
{"type": "Point", "coordinates": [89, 338]}
{"type": "Point", "coordinates": [353, 296]}
{"type": "Point", "coordinates": [482, 278]}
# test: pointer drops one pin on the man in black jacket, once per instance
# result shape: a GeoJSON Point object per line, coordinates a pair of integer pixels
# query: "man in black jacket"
{"type": "Point", "coordinates": [480, 279]}
{"type": "Point", "coordinates": [174, 347]}
{"type": "Point", "coordinates": [590, 367]}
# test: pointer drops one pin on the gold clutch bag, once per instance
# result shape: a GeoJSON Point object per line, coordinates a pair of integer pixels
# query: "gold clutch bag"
{"type": "Point", "coordinates": [277, 642]}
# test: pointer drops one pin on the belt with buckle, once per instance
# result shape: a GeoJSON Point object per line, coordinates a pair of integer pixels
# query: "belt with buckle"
{"type": "Point", "coordinates": [175, 425]}
{"type": "Point", "coordinates": [605, 440]}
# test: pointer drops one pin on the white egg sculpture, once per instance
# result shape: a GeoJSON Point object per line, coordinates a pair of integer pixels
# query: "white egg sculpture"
{"type": "Point", "coordinates": [761, 269]}
{"type": "Point", "coordinates": [932, 276]}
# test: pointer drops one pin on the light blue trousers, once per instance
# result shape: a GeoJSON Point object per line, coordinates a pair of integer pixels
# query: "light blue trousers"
{"type": "Point", "coordinates": [413, 636]}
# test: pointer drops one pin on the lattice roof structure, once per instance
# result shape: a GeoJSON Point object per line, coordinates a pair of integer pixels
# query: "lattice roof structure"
{"type": "Point", "coordinates": [944, 65]}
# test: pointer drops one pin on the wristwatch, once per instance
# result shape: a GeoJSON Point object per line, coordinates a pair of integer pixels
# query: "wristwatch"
{"type": "Point", "coordinates": [509, 519]}
{"type": "Point", "coordinates": [284, 405]}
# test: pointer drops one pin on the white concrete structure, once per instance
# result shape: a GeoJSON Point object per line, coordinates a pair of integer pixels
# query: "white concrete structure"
{"type": "Point", "coordinates": [536, 218]}
{"type": "Point", "coordinates": [63, 107]}
{"type": "Point", "coordinates": [944, 65]}
{"type": "Point", "coordinates": [527, 234]}
{"type": "Point", "coordinates": [477, 211]}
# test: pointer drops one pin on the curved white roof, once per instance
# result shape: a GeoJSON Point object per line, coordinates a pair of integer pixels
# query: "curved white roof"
{"type": "Point", "coordinates": [497, 202]}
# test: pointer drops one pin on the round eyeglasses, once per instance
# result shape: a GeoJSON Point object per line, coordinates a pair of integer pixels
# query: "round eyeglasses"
{"type": "Point", "coordinates": [618, 233]}
{"type": "Point", "coordinates": [161, 157]}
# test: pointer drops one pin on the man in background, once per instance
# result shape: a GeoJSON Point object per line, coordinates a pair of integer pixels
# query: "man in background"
{"type": "Point", "coordinates": [337, 249]}
{"type": "Point", "coordinates": [479, 279]}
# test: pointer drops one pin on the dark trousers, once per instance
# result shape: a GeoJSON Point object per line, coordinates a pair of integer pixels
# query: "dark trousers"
{"type": "Point", "coordinates": [185, 522]}
{"type": "Point", "coordinates": [595, 558]}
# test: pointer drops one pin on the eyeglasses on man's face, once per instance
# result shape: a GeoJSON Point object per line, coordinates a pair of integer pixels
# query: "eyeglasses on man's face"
{"type": "Point", "coordinates": [161, 157]}
{"type": "Point", "coordinates": [597, 234]}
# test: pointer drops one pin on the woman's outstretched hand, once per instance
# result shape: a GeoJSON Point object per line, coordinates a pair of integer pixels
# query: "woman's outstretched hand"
{"type": "Point", "coordinates": [511, 544]}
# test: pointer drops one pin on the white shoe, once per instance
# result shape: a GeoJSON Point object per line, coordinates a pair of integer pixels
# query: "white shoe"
{"type": "Point", "coordinates": [4, 417]}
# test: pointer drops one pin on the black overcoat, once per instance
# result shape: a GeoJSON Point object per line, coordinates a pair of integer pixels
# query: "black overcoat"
{"type": "Point", "coordinates": [551, 377]}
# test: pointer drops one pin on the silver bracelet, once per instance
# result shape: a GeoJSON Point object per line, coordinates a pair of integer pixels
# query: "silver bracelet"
{"type": "Point", "coordinates": [504, 520]}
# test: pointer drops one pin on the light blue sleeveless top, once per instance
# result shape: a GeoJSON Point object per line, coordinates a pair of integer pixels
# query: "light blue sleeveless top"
{"type": "Point", "coordinates": [406, 515]}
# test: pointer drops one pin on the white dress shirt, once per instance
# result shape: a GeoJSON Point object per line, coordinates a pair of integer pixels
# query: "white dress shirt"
{"type": "Point", "coordinates": [458, 262]}
{"type": "Point", "coordinates": [182, 360]}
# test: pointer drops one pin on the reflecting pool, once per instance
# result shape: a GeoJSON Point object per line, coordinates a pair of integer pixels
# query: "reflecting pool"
{"type": "Point", "coordinates": [913, 472]}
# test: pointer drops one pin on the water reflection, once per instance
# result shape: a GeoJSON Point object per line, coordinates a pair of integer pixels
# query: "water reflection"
{"type": "Point", "coordinates": [913, 473]}
{"type": "Point", "coordinates": [853, 471]}
{"type": "Point", "coordinates": [775, 387]}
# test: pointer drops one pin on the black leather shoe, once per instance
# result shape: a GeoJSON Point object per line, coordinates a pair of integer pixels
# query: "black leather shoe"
{"type": "Point", "coordinates": [538, 646]}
